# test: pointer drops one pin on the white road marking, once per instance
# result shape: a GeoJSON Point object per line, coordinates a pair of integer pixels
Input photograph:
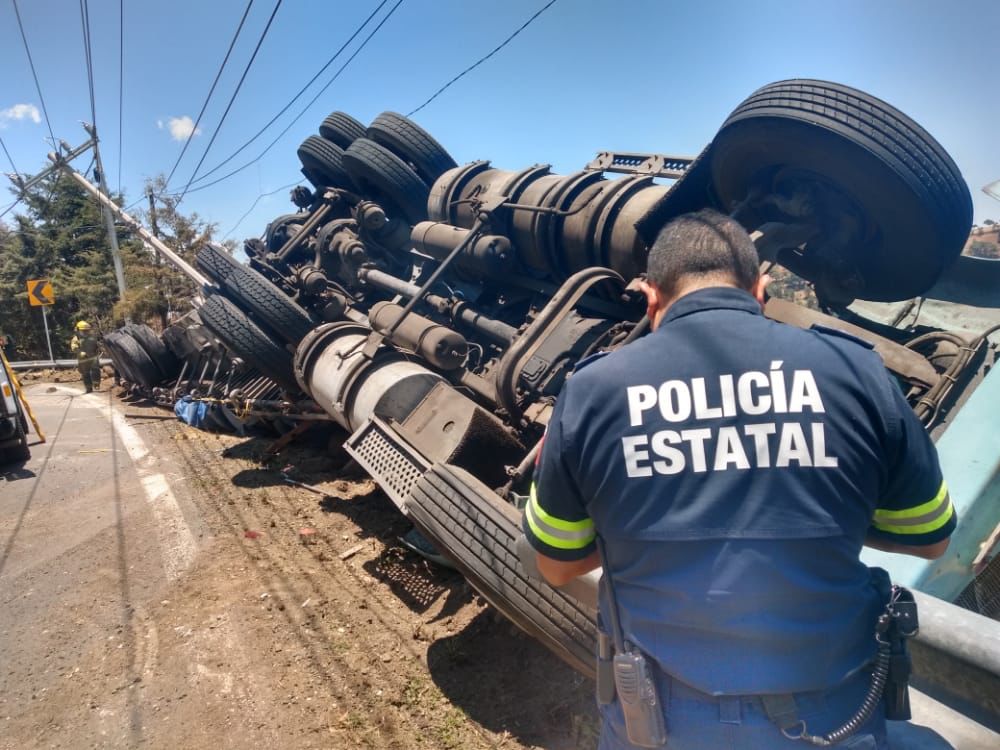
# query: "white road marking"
{"type": "Point", "coordinates": [177, 544]}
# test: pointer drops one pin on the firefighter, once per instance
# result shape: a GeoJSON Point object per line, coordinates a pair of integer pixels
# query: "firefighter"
{"type": "Point", "coordinates": [728, 469]}
{"type": "Point", "coordinates": [87, 349]}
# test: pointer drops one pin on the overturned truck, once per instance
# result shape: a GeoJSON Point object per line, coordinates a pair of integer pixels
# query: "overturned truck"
{"type": "Point", "coordinates": [435, 310]}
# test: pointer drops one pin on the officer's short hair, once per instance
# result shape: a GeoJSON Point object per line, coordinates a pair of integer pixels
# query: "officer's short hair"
{"type": "Point", "coordinates": [707, 244]}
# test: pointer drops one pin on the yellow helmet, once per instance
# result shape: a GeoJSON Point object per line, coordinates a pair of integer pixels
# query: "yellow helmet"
{"type": "Point", "coordinates": [83, 325]}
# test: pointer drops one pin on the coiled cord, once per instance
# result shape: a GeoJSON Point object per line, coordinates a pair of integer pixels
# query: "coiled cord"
{"type": "Point", "coordinates": [871, 702]}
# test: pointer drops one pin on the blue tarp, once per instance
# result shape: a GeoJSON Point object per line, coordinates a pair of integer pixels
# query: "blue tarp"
{"type": "Point", "coordinates": [207, 416]}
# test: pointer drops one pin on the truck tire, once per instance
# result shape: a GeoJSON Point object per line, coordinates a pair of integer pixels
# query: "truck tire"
{"type": "Point", "coordinates": [19, 451]}
{"type": "Point", "coordinates": [268, 305]}
{"type": "Point", "coordinates": [216, 263]}
{"type": "Point", "coordinates": [246, 340]}
{"type": "Point", "coordinates": [121, 364]}
{"type": "Point", "coordinates": [386, 178]}
{"type": "Point", "coordinates": [477, 531]}
{"type": "Point", "coordinates": [342, 129]}
{"type": "Point", "coordinates": [323, 163]}
{"type": "Point", "coordinates": [916, 206]}
{"type": "Point", "coordinates": [135, 361]}
{"type": "Point", "coordinates": [412, 144]}
{"type": "Point", "coordinates": [276, 233]}
{"type": "Point", "coordinates": [164, 359]}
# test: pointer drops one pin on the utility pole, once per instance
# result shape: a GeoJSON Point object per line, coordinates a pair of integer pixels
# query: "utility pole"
{"type": "Point", "coordinates": [152, 218]}
{"type": "Point", "coordinates": [62, 160]}
{"type": "Point", "coordinates": [109, 219]}
{"type": "Point", "coordinates": [158, 271]}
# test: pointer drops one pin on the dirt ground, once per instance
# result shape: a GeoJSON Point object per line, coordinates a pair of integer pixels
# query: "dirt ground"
{"type": "Point", "coordinates": [313, 627]}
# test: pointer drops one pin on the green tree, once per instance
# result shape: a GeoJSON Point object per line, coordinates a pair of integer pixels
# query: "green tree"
{"type": "Point", "coordinates": [161, 291]}
{"type": "Point", "coordinates": [60, 234]}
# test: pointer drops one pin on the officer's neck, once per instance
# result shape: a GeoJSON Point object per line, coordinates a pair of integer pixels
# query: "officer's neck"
{"type": "Point", "coordinates": [683, 289]}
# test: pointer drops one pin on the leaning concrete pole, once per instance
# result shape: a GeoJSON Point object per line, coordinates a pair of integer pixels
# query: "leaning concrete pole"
{"type": "Point", "coordinates": [154, 242]}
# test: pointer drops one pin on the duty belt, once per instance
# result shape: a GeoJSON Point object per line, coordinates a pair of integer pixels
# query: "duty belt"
{"type": "Point", "coordinates": [890, 676]}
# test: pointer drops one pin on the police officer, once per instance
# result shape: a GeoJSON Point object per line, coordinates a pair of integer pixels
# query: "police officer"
{"type": "Point", "coordinates": [733, 468]}
{"type": "Point", "coordinates": [87, 349]}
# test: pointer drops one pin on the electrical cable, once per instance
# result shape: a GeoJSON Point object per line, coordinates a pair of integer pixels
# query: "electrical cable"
{"type": "Point", "coordinates": [9, 157]}
{"type": "Point", "coordinates": [88, 58]}
{"type": "Point", "coordinates": [232, 99]}
{"type": "Point", "coordinates": [305, 109]}
{"type": "Point", "coordinates": [295, 98]}
{"type": "Point", "coordinates": [34, 74]}
{"type": "Point", "coordinates": [9, 208]}
{"type": "Point", "coordinates": [256, 201]}
{"type": "Point", "coordinates": [132, 205]}
{"type": "Point", "coordinates": [483, 59]}
{"type": "Point", "coordinates": [211, 90]}
{"type": "Point", "coordinates": [121, 86]}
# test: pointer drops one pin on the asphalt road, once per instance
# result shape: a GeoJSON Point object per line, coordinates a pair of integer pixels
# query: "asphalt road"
{"type": "Point", "coordinates": [90, 533]}
{"type": "Point", "coordinates": [155, 592]}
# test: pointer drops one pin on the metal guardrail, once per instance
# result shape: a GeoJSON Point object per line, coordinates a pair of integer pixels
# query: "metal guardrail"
{"type": "Point", "coordinates": [50, 364]}
{"type": "Point", "coordinates": [956, 659]}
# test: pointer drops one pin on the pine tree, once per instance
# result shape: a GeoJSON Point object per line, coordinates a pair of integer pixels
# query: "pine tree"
{"type": "Point", "coordinates": [60, 235]}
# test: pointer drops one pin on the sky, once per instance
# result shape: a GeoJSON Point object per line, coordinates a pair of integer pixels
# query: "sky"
{"type": "Point", "coordinates": [586, 76]}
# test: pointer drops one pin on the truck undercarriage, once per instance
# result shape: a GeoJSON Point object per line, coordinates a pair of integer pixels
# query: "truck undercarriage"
{"type": "Point", "coordinates": [434, 311]}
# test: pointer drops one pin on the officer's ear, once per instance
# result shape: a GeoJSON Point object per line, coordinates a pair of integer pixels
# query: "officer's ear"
{"type": "Point", "coordinates": [759, 289]}
{"type": "Point", "coordinates": [654, 301]}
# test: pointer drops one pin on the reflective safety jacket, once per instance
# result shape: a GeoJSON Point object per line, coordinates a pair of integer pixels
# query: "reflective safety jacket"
{"type": "Point", "coordinates": [85, 345]}
{"type": "Point", "coordinates": [734, 466]}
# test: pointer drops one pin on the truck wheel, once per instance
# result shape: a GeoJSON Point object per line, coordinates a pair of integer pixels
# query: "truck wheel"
{"type": "Point", "coordinates": [144, 371]}
{"type": "Point", "coordinates": [913, 205]}
{"type": "Point", "coordinates": [412, 144]}
{"type": "Point", "coordinates": [342, 129]}
{"type": "Point", "coordinates": [323, 163]}
{"type": "Point", "coordinates": [386, 178]}
{"type": "Point", "coordinates": [216, 263]}
{"type": "Point", "coordinates": [477, 531]}
{"type": "Point", "coordinates": [19, 452]}
{"type": "Point", "coordinates": [162, 357]}
{"type": "Point", "coordinates": [276, 233]}
{"type": "Point", "coordinates": [246, 340]}
{"type": "Point", "coordinates": [268, 305]}
{"type": "Point", "coordinates": [117, 354]}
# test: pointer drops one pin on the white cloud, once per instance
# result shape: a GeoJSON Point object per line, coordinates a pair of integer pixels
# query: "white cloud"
{"type": "Point", "coordinates": [20, 112]}
{"type": "Point", "coordinates": [182, 127]}
{"type": "Point", "coordinates": [159, 124]}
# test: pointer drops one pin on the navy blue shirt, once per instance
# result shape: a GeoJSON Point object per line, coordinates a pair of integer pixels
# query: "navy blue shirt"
{"type": "Point", "coordinates": [733, 466]}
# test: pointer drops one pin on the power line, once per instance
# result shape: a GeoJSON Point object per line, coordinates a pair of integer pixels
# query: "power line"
{"type": "Point", "coordinates": [85, 23]}
{"type": "Point", "coordinates": [232, 99]}
{"type": "Point", "coordinates": [211, 91]}
{"type": "Point", "coordinates": [34, 74]}
{"type": "Point", "coordinates": [9, 157]}
{"type": "Point", "coordinates": [483, 59]}
{"type": "Point", "coordinates": [306, 108]}
{"type": "Point", "coordinates": [254, 204]}
{"type": "Point", "coordinates": [9, 208]}
{"type": "Point", "coordinates": [295, 98]}
{"type": "Point", "coordinates": [121, 86]}
{"type": "Point", "coordinates": [133, 204]}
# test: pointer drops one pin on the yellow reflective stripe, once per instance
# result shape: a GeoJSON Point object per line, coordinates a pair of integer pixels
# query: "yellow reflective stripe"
{"type": "Point", "coordinates": [939, 520]}
{"type": "Point", "coordinates": [559, 538]}
{"type": "Point", "coordinates": [585, 525]}
{"type": "Point", "coordinates": [920, 510]}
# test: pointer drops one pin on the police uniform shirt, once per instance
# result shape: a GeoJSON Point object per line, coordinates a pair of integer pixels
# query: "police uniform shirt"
{"type": "Point", "coordinates": [734, 466]}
